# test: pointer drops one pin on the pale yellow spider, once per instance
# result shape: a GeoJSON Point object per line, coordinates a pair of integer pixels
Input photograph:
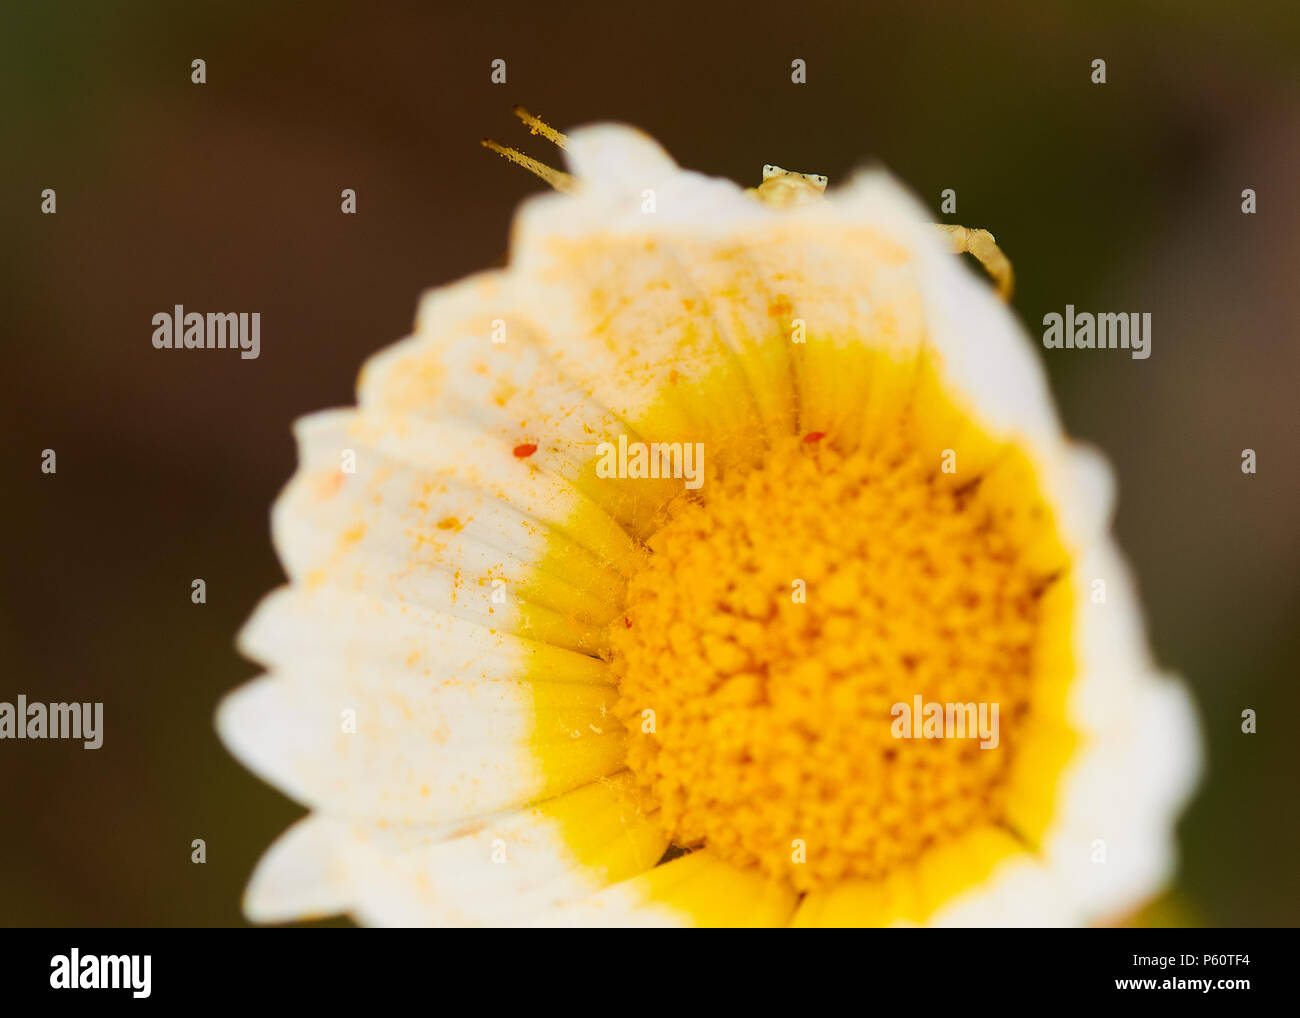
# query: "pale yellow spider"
{"type": "Point", "coordinates": [781, 188]}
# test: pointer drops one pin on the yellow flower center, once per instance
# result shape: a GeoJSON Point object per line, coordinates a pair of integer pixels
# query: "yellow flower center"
{"type": "Point", "coordinates": [779, 619]}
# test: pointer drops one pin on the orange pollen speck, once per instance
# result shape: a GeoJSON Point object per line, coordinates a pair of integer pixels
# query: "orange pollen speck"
{"type": "Point", "coordinates": [524, 450]}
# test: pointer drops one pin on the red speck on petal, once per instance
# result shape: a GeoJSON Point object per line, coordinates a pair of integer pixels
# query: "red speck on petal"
{"type": "Point", "coordinates": [780, 308]}
{"type": "Point", "coordinates": [813, 436]}
{"type": "Point", "coordinates": [525, 450]}
{"type": "Point", "coordinates": [627, 622]}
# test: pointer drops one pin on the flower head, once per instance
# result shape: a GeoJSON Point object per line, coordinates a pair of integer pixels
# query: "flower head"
{"type": "Point", "coordinates": [719, 561]}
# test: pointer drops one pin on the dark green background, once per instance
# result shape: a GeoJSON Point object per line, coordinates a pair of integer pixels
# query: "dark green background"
{"type": "Point", "coordinates": [226, 196]}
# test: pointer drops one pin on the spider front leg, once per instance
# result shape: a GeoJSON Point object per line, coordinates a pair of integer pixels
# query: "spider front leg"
{"type": "Point", "coordinates": [981, 244]}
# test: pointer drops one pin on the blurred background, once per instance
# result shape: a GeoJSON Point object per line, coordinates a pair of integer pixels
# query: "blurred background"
{"type": "Point", "coordinates": [225, 196]}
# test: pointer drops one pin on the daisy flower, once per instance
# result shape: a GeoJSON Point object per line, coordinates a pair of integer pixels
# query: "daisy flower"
{"type": "Point", "coordinates": [604, 601]}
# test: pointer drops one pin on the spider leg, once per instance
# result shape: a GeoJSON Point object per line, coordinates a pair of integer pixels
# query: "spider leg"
{"type": "Point", "coordinates": [981, 244]}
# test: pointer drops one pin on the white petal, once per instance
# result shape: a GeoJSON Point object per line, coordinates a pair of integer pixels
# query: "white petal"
{"type": "Point", "coordinates": [454, 369]}
{"type": "Point", "coordinates": [436, 515]}
{"type": "Point", "coordinates": [986, 354]}
{"type": "Point", "coordinates": [301, 876]}
{"type": "Point", "coordinates": [421, 751]}
{"type": "Point", "coordinates": [1121, 796]}
{"type": "Point", "coordinates": [1111, 652]}
{"type": "Point", "coordinates": [509, 868]}
{"type": "Point", "coordinates": [616, 157]}
{"type": "Point", "coordinates": [693, 890]}
{"type": "Point", "coordinates": [1018, 893]}
{"type": "Point", "coordinates": [327, 628]}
